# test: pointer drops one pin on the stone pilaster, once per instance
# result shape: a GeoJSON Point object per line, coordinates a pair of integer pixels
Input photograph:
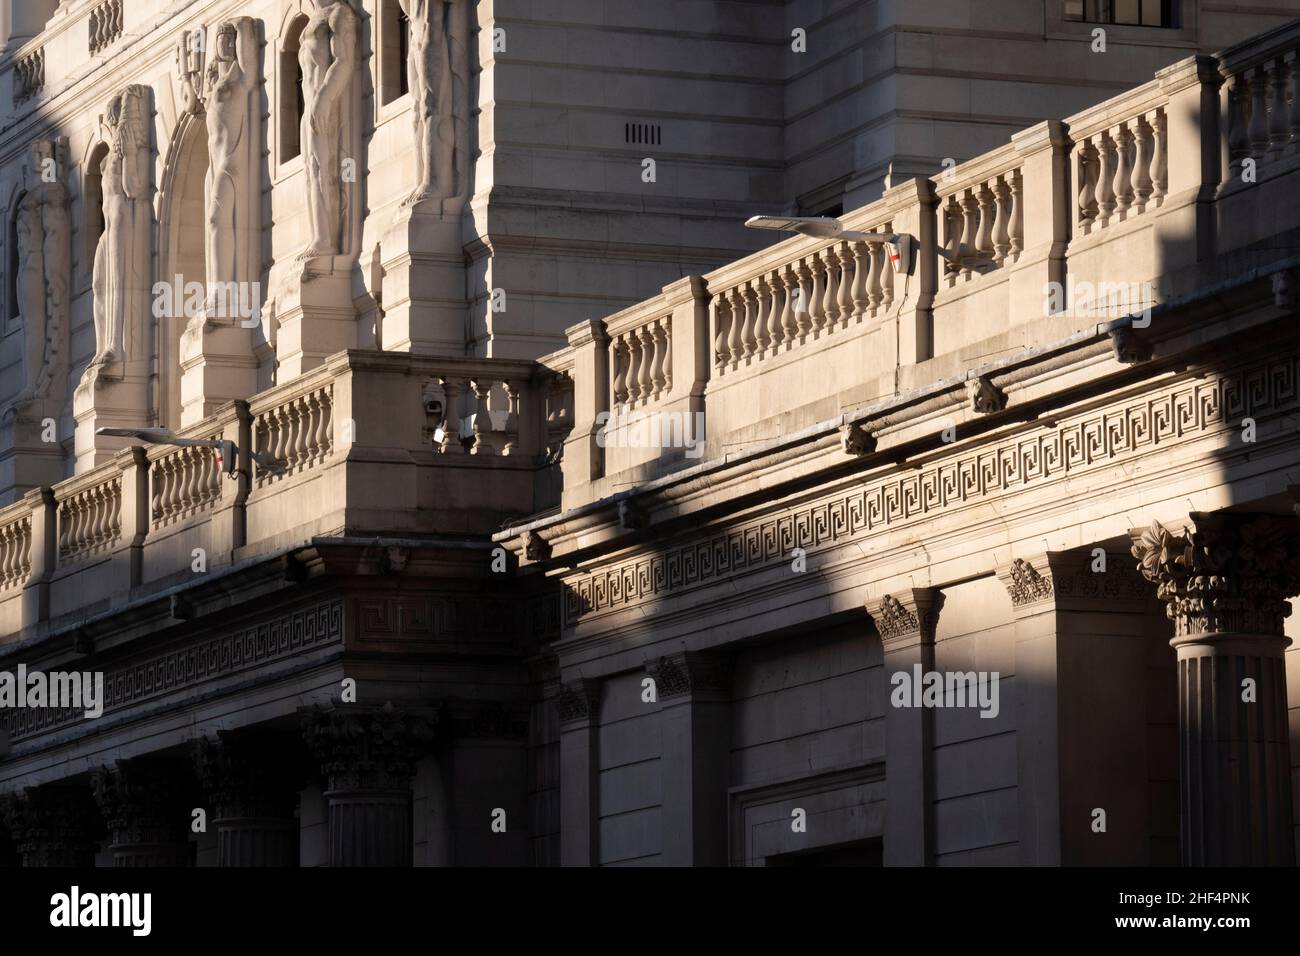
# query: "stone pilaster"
{"type": "Point", "coordinates": [368, 757]}
{"type": "Point", "coordinates": [147, 805]}
{"type": "Point", "coordinates": [51, 826]}
{"type": "Point", "coordinates": [578, 704]}
{"type": "Point", "coordinates": [1083, 628]}
{"type": "Point", "coordinates": [694, 693]}
{"type": "Point", "coordinates": [251, 789]}
{"type": "Point", "coordinates": [1225, 581]}
{"type": "Point", "coordinates": [906, 623]}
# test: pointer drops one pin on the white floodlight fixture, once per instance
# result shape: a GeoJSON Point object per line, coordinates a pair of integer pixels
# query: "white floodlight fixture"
{"type": "Point", "coordinates": [828, 227]}
{"type": "Point", "coordinates": [163, 436]}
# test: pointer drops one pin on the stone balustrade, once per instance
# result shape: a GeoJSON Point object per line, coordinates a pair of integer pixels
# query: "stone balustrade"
{"type": "Point", "coordinates": [389, 441]}
{"type": "Point", "coordinates": [1075, 223]}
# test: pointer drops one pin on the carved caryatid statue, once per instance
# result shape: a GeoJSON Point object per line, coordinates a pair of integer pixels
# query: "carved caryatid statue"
{"type": "Point", "coordinates": [121, 270]}
{"type": "Point", "coordinates": [327, 53]}
{"type": "Point", "coordinates": [229, 80]}
{"type": "Point", "coordinates": [44, 262]}
{"type": "Point", "coordinates": [437, 76]}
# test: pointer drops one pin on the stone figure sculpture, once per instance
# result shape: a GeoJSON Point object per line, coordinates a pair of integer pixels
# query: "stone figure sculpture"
{"type": "Point", "coordinates": [122, 257]}
{"type": "Point", "coordinates": [437, 76]}
{"type": "Point", "coordinates": [229, 78]}
{"type": "Point", "coordinates": [44, 262]}
{"type": "Point", "coordinates": [327, 53]}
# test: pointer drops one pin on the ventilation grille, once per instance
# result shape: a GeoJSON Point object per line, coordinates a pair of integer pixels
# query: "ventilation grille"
{"type": "Point", "coordinates": [648, 134]}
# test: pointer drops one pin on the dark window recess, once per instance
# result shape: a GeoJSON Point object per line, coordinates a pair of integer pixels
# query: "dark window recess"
{"type": "Point", "coordinates": [403, 53]}
{"type": "Point", "coordinates": [1133, 13]}
{"type": "Point", "coordinates": [865, 853]}
{"type": "Point", "coordinates": [643, 134]}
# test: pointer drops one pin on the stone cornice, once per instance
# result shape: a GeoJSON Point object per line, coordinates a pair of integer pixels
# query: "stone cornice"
{"type": "Point", "coordinates": [1189, 409]}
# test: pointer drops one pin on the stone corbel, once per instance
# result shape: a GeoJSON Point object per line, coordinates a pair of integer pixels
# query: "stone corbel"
{"type": "Point", "coordinates": [856, 441]}
{"type": "Point", "coordinates": [985, 397]}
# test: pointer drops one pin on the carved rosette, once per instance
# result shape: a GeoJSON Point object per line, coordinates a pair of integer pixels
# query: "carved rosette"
{"type": "Point", "coordinates": [691, 673]}
{"type": "Point", "coordinates": [1228, 573]}
{"type": "Point", "coordinates": [366, 749]}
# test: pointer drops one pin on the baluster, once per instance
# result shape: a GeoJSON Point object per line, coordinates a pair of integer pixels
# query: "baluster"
{"type": "Point", "coordinates": [750, 300]}
{"type": "Point", "coordinates": [721, 351]}
{"type": "Point", "coordinates": [830, 303]}
{"type": "Point", "coordinates": [984, 237]}
{"type": "Point", "coordinates": [619, 348]}
{"type": "Point", "coordinates": [633, 367]}
{"type": "Point", "coordinates": [668, 353]}
{"type": "Point", "coordinates": [1142, 174]}
{"type": "Point", "coordinates": [1001, 228]}
{"type": "Point", "coordinates": [289, 418]}
{"type": "Point", "coordinates": [657, 361]}
{"type": "Point", "coordinates": [451, 445]}
{"type": "Point", "coordinates": [647, 362]}
{"type": "Point", "coordinates": [1123, 171]}
{"type": "Point", "coordinates": [8, 549]}
{"type": "Point", "coordinates": [318, 423]}
{"type": "Point", "coordinates": [325, 435]}
{"type": "Point", "coordinates": [1159, 157]}
{"type": "Point", "coordinates": [735, 338]}
{"type": "Point", "coordinates": [64, 527]}
{"type": "Point", "coordinates": [1258, 131]}
{"type": "Point", "coordinates": [482, 419]}
{"type": "Point", "coordinates": [185, 480]}
{"type": "Point", "coordinates": [1293, 71]}
{"type": "Point", "coordinates": [844, 293]}
{"type": "Point", "coordinates": [875, 291]}
{"type": "Point", "coordinates": [1238, 120]}
{"type": "Point", "coordinates": [157, 476]}
{"type": "Point", "coordinates": [1017, 215]}
{"type": "Point", "coordinates": [1106, 184]}
{"type": "Point", "coordinates": [115, 511]}
{"type": "Point", "coordinates": [98, 512]}
{"type": "Point", "coordinates": [805, 285]}
{"type": "Point", "coordinates": [775, 330]}
{"type": "Point", "coordinates": [761, 309]}
{"type": "Point", "coordinates": [816, 310]}
{"type": "Point", "coordinates": [512, 417]}
{"type": "Point", "coordinates": [277, 422]}
{"type": "Point", "coordinates": [861, 274]}
{"type": "Point", "coordinates": [1277, 118]}
{"type": "Point", "coordinates": [789, 322]}
{"type": "Point", "coordinates": [1088, 166]}
{"type": "Point", "coordinates": [953, 225]}
{"type": "Point", "coordinates": [886, 276]}
{"type": "Point", "coordinates": [970, 209]}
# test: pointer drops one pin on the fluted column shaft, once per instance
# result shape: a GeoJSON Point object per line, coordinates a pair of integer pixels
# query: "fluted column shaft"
{"type": "Point", "coordinates": [51, 826]}
{"type": "Point", "coordinates": [1225, 581]}
{"type": "Point", "coordinates": [368, 757]}
{"type": "Point", "coordinates": [251, 789]}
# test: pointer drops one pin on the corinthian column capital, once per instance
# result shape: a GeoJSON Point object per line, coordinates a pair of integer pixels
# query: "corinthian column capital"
{"type": "Point", "coordinates": [1225, 573]}
{"type": "Point", "coordinates": [363, 748]}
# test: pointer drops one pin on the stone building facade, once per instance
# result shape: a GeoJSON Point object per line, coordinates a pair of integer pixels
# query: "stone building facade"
{"type": "Point", "coordinates": [515, 505]}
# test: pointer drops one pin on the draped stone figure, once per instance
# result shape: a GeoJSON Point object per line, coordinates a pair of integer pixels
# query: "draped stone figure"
{"type": "Point", "coordinates": [437, 73]}
{"type": "Point", "coordinates": [44, 262]}
{"type": "Point", "coordinates": [327, 53]}
{"type": "Point", "coordinates": [122, 258]}
{"type": "Point", "coordinates": [229, 79]}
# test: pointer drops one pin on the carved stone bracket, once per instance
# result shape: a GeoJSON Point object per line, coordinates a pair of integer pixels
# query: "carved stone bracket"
{"type": "Point", "coordinates": [1130, 348]}
{"type": "Point", "coordinates": [1227, 573]}
{"type": "Point", "coordinates": [985, 397]}
{"type": "Point", "coordinates": [856, 441]}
